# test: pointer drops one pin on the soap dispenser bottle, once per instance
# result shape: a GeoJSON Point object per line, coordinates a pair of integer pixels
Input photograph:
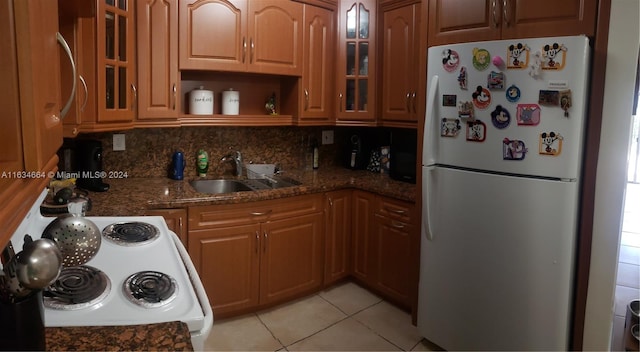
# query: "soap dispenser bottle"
{"type": "Point", "coordinates": [202, 163]}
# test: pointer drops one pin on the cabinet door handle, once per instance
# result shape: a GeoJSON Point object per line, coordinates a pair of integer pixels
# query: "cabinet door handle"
{"type": "Point", "coordinates": [266, 238]}
{"type": "Point", "coordinates": [174, 96]}
{"type": "Point", "coordinates": [413, 100]}
{"type": "Point", "coordinates": [180, 225]}
{"type": "Point", "coordinates": [260, 213]}
{"type": "Point", "coordinates": [408, 102]}
{"type": "Point", "coordinates": [244, 49]}
{"type": "Point", "coordinates": [330, 202]}
{"type": "Point", "coordinates": [340, 98]}
{"type": "Point", "coordinates": [306, 100]}
{"type": "Point", "coordinates": [397, 224]}
{"type": "Point", "coordinates": [252, 49]}
{"type": "Point", "coordinates": [257, 241]}
{"type": "Point", "coordinates": [494, 15]}
{"type": "Point", "coordinates": [135, 96]}
{"type": "Point", "coordinates": [86, 92]}
{"type": "Point", "coordinates": [505, 13]}
{"type": "Point", "coordinates": [65, 46]}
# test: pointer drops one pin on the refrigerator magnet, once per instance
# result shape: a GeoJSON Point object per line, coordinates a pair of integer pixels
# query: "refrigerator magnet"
{"type": "Point", "coordinates": [481, 97]}
{"type": "Point", "coordinates": [500, 117]}
{"type": "Point", "coordinates": [481, 59]}
{"type": "Point", "coordinates": [449, 100]}
{"type": "Point", "coordinates": [462, 78]}
{"type": "Point", "coordinates": [528, 114]}
{"type": "Point", "coordinates": [550, 143]}
{"type": "Point", "coordinates": [495, 80]}
{"type": "Point", "coordinates": [513, 149]}
{"type": "Point", "coordinates": [518, 56]}
{"type": "Point", "coordinates": [498, 62]}
{"type": "Point", "coordinates": [450, 60]}
{"type": "Point", "coordinates": [513, 93]}
{"type": "Point", "coordinates": [554, 56]}
{"type": "Point", "coordinates": [450, 127]}
{"type": "Point", "coordinates": [535, 70]}
{"type": "Point", "coordinates": [565, 101]}
{"type": "Point", "coordinates": [476, 131]}
{"type": "Point", "coordinates": [549, 97]}
{"type": "Point", "coordinates": [465, 110]}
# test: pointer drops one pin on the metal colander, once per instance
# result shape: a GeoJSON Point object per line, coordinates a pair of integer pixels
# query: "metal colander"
{"type": "Point", "coordinates": [77, 237]}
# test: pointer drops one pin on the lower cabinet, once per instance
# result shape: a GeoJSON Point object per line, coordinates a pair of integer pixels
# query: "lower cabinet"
{"type": "Point", "coordinates": [176, 220]}
{"type": "Point", "coordinates": [337, 261]}
{"type": "Point", "coordinates": [255, 254]}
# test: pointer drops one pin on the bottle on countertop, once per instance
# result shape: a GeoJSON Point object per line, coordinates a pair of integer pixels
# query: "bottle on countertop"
{"type": "Point", "coordinates": [202, 163]}
{"type": "Point", "coordinates": [316, 154]}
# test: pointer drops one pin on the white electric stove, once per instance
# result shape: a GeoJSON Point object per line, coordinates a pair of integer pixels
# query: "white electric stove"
{"type": "Point", "coordinates": [161, 266]}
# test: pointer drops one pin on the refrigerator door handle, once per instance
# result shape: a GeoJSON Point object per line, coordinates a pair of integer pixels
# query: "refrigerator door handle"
{"type": "Point", "coordinates": [426, 203]}
{"type": "Point", "coordinates": [429, 124]}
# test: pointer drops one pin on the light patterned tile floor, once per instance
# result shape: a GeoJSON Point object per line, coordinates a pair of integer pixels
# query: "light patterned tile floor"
{"type": "Point", "coordinates": [343, 318]}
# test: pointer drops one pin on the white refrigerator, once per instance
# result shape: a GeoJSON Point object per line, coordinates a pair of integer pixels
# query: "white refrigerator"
{"type": "Point", "coordinates": [503, 141]}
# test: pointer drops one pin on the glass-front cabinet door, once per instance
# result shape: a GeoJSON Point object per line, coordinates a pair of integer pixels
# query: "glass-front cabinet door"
{"type": "Point", "coordinates": [355, 83]}
{"type": "Point", "coordinates": [117, 93]}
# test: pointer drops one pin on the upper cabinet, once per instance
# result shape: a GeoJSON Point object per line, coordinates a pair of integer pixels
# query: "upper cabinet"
{"type": "Point", "coordinates": [356, 63]}
{"type": "Point", "coordinates": [503, 19]}
{"type": "Point", "coordinates": [261, 36]}
{"type": "Point", "coordinates": [400, 65]}
{"type": "Point", "coordinates": [318, 66]}
{"type": "Point", "coordinates": [157, 43]}
{"type": "Point", "coordinates": [103, 47]}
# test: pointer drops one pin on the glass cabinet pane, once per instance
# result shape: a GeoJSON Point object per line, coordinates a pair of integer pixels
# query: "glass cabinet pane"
{"type": "Point", "coordinates": [122, 38]}
{"type": "Point", "coordinates": [110, 87]}
{"type": "Point", "coordinates": [110, 2]}
{"type": "Point", "coordinates": [122, 87]}
{"type": "Point", "coordinates": [362, 95]}
{"type": "Point", "coordinates": [351, 95]}
{"type": "Point", "coordinates": [122, 4]}
{"type": "Point", "coordinates": [364, 22]}
{"type": "Point", "coordinates": [351, 22]}
{"type": "Point", "coordinates": [110, 33]}
{"type": "Point", "coordinates": [363, 58]}
{"type": "Point", "coordinates": [351, 58]}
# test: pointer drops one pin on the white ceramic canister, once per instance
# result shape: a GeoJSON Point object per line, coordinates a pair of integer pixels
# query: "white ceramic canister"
{"type": "Point", "coordinates": [201, 102]}
{"type": "Point", "coordinates": [230, 102]}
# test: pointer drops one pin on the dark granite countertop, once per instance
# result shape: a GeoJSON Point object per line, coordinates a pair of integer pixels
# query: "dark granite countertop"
{"type": "Point", "coordinates": [133, 196]}
{"type": "Point", "coordinates": [172, 336]}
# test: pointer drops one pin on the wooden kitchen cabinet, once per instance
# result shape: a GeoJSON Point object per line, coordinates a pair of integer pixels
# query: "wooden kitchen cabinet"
{"type": "Point", "coordinates": [400, 65]}
{"type": "Point", "coordinates": [104, 52]}
{"type": "Point", "coordinates": [459, 21]}
{"type": "Point", "coordinates": [362, 244]}
{"type": "Point", "coordinates": [386, 246]}
{"type": "Point", "coordinates": [30, 104]}
{"type": "Point", "coordinates": [337, 236]}
{"type": "Point", "coordinates": [260, 36]}
{"type": "Point", "coordinates": [317, 67]}
{"type": "Point", "coordinates": [157, 45]}
{"type": "Point", "coordinates": [255, 254]}
{"type": "Point", "coordinates": [176, 220]}
{"type": "Point", "coordinates": [356, 63]}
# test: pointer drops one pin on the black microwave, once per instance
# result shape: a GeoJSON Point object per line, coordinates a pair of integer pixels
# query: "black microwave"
{"type": "Point", "coordinates": [402, 155]}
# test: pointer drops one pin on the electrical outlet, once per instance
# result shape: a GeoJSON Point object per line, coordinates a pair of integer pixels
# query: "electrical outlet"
{"type": "Point", "coordinates": [118, 142]}
{"type": "Point", "coordinates": [327, 137]}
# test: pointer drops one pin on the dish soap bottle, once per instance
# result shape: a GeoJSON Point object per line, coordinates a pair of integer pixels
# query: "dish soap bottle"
{"type": "Point", "coordinates": [316, 155]}
{"type": "Point", "coordinates": [202, 163]}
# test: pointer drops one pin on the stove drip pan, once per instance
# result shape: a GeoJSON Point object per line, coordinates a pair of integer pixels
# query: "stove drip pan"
{"type": "Point", "coordinates": [133, 233]}
{"type": "Point", "coordinates": [150, 289]}
{"type": "Point", "coordinates": [77, 287]}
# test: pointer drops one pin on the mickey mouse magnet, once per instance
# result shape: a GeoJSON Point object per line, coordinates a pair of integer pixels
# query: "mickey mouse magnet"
{"type": "Point", "coordinates": [476, 131]}
{"type": "Point", "coordinates": [481, 97]}
{"type": "Point", "coordinates": [513, 149]}
{"type": "Point", "coordinates": [553, 55]}
{"type": "Point", "coordinates": [518, 56]}
{"type": "Point", "coordinates": [450, 127]}
{"type": "Point", "coordinates": [550, 143]}
{"type": "Point", "coordinates": [450, 60]}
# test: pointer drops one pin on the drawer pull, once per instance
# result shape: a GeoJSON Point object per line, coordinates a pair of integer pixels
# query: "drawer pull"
{"type": "Point", "coordinates": [260, 213]}
{"type": "Point", "coordinates": [397, 225]}
{"type": "Point", "coordinates": [395, 211]}
{"type": "Point", "coordinates": [266, 237]}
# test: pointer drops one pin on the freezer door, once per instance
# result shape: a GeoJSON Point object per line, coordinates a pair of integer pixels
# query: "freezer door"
{"type": "Point", "coordinates": [497, 254]}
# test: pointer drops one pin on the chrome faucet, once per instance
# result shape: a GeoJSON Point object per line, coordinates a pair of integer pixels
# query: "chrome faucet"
{"type": "Point", "coordinates": [235, 157]}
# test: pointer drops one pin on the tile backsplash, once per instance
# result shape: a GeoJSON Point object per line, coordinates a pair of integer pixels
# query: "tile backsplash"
{"type": "Point", "coordinates": [149, 151]}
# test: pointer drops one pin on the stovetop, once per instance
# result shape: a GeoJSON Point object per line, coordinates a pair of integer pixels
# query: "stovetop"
{"type": "Point", "coordinates": [118, 262]}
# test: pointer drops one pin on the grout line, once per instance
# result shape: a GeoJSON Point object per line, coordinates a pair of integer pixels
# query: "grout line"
{"type": "Point", "coordinates": [271, 332]}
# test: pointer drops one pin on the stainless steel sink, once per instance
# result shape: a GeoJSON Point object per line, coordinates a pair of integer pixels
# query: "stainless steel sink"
{"type": "Point", "coordinates": [222, 186]}
{"type": "Point", "coordinates": [219, 186]}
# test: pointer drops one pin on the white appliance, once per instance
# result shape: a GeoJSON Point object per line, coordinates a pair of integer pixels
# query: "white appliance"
{"type": "Point", "coordinates": [165, 254]}
{"type": "Point", "coordinates": [500, 196]}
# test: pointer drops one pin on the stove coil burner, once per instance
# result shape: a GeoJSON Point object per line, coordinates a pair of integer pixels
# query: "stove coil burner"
{"type": "Point", "coordinates": [131, 233]}
{"type": "Point", "coordinates": [77, 287]}
{"type": "Point", "coordinates": [150, 289]}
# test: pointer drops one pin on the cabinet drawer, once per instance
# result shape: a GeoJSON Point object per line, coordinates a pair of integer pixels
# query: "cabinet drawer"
{"type": "Point", "coordinates": [396, 209]}
{"type": "Point", "coordinates": [247, 213]}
